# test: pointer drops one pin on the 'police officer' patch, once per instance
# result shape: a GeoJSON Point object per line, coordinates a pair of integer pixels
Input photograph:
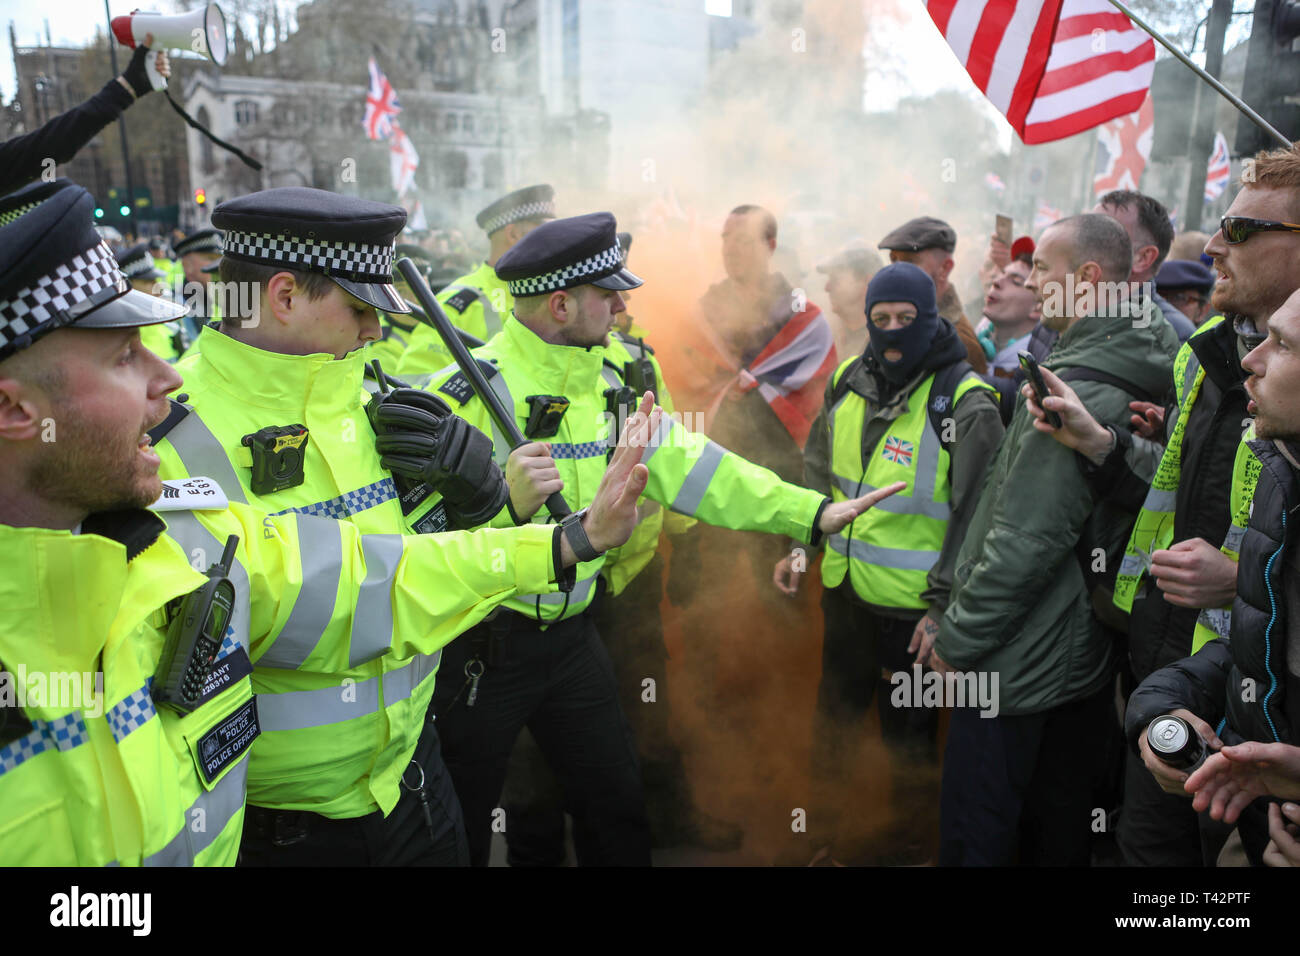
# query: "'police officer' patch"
{"type": "Point", "coordinates": [223, 744]}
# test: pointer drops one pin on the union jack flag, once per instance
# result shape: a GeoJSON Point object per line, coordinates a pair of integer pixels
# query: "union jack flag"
{"type": "Point", "coordinates": [898, 451]}
{"type": "Point", "coordinates": [381, 105]}
{"type": "Point", "coordinates": [1219, 171]}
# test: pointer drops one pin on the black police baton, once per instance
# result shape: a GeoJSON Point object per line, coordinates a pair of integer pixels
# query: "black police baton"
{"type": "Point", "coordinates": [502, 416]}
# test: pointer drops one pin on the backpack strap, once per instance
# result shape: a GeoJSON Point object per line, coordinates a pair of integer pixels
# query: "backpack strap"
{"type": "Point", "coordinates": [941, 403]}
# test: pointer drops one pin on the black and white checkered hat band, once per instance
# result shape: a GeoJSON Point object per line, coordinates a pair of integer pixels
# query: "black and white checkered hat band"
{"type": "Point", "coordinates": [529, 210]}
{"type": "Point", "coordinates": [46, 300]}
{"type": "Point", "coordinates": [358, 261]}
{"type": "Point", "coordinates": [206, 244]}
{"type": "Point", "coordinates": [138, 266]}
{"type": "Point", "coordinates": [588, 270]}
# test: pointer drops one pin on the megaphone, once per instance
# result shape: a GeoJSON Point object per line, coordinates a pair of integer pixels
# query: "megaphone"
{"type": "Point", "coordinates": [201, 31]}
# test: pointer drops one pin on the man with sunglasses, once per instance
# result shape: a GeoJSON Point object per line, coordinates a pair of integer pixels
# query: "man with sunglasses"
{"type": "Point", "coordinates": [1176, 582]}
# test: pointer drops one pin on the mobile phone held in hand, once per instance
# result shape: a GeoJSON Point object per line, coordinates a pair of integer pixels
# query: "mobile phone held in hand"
{"type": "Point", "coordinates": [1002, 229]}
{"type": "Point", "coordinates": [1030, 365]}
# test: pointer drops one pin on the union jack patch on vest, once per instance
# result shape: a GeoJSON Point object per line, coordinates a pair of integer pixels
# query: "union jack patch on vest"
{"type": "Point", "coordinates": [898, 451]}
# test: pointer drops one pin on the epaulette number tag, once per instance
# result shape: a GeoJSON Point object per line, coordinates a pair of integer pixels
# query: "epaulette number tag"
{"type": "Point", "coordinates": [190, 494]}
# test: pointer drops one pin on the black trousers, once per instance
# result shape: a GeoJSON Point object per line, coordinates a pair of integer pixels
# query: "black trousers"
{"type": "Point", "coordinates": [1026, 783]}
{"type": "Point", "coordinates": [558, 683]}
{"type": "Point", "coordinates": [632, 630]}
{"type": "Point", "coordinates": [859, 643]}
{"type": "Point", "coordinates": [425, 828]}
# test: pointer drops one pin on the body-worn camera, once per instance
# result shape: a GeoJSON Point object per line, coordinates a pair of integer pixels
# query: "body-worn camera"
{"type": "Point", "coordinates": [640, 374]}
{"type": "Point", "coordinates": [278, 452]}
{"type": "Point", "coordinates": [545, 412]}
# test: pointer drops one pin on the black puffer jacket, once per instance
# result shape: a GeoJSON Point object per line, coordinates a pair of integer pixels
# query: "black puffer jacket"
{"type": "Point", "coordinates": [1243, 686]}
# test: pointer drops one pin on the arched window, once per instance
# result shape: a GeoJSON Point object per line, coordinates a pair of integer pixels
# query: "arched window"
{"type": "Point", "coordinates": [454, 167]}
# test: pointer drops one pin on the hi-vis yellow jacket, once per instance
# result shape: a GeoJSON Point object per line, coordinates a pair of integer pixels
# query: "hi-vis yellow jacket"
{"type": "Point", "coordinates": [688, 473]}
{"type": "Point", "coordinates": [624, 563]}
{"type": "Point", "coordinates": [477, 303]}
{"type": "Point", "coordinates": [336, 735]}
{"type": "Point", "coordinates": [98, 775]}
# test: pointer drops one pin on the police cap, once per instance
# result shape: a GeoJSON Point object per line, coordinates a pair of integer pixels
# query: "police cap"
{"type": "Point", "coordinates": [924, 232]}
{"type": "Point", "coordinates": [566, 253]}
{"type": "Point", "coordinates": [314, 230]}
{"type": "Point", "coordinates": [201, 240]}
{"type": "Point", "coordinates": [531, 202]}
{"type": "Point", "coordinates": [137, 263]}
{"type": "Point", "coordinates": [56, 271]}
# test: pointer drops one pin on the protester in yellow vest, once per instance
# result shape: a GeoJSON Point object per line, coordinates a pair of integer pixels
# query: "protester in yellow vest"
{"type": "Point", "coordinates": [1178, 576]}
{"type": "Point", "coordinates": [908, 409]}
{"type": "Point", "coordinates": [479, 302]}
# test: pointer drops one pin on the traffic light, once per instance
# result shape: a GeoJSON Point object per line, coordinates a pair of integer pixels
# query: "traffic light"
{"type": "Point", "coordinates": [1272, 79]}
{"type": "Point", "coordinates": [124, 210]}
{"type": "Point", "coordinates": [99, 212]}
{"type": "Point", "coordinates": [200, 197]}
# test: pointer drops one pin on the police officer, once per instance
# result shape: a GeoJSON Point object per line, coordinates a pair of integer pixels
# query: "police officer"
{"type": "Point", "coordinates": [198, 254]}
{"type": "Point", "coordinates": [479, 301]}
{"type": "Point", "coordinates": [274, 408]}
{"type": "Point", "coordinates": [106, 776]}
{"type": "Point", "coordinates": [909, 408]}
{"type": "Point", "coordinates": [166, 340]}
{"type": "Point", "coordinates": [396, 328]}
{"type": "Point", "coordinates": [541, 663]}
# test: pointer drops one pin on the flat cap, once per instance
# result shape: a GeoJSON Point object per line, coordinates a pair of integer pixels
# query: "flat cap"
{"type": "Point", "coordinates": [56, 271]}
{"type": "Point", "coordinates": [566, 253]}
{"type": "Point", "coordinates": [201, 240]}
{"type": "Point", "coordinates": [136, 263]}
{"type": "Point", "coordinates": [531, 202]}
{"type": "Point", "coordinates": [861, 262]}
{"type": "Point", "coordinates": [351, 240]}
{"type": "Point", "coordinates": [925, 232]}
{"type": "Point", "coordinates": [1184, 274]}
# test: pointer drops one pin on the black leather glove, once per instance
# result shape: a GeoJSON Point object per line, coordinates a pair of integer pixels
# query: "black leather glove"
{"type": "Point", "coordinates": [136, 75]}
{"type": "Point", "coordinates": [420, 439]}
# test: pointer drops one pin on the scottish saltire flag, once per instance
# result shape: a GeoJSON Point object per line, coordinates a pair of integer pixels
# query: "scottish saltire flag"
{"type": "Point", "coordinates": [898, 451]}
{"type": "Point", "coordinates": [381, 105]}
{"type": "Point", "coordinates": [1218, 171]}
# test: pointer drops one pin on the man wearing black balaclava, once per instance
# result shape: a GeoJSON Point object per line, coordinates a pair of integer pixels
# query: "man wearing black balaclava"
{"type": "Point", "coordinates": [909, 409]}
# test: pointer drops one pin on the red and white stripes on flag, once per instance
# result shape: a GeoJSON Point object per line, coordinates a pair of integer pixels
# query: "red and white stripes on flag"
{"type": "Point", "coordinates": [1053, 68]}
{"type": "Point", "coordinates": [1219, 170]}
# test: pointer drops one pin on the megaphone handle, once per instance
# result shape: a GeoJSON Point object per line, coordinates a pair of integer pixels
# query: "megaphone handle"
{"type": "Point", "coordinates": [156, 79]}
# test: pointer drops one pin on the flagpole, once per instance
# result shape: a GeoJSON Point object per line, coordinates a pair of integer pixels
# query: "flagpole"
{"type": "Point", "coordinates": [1218, 87]}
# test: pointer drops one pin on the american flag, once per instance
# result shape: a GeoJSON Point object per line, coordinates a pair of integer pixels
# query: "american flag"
{"type": "Point", "coordinates": [1123, 146]}
{"type": "Point", "coordinates": [1053, 68]}
{"type": "Point", "coordinates": [381, 105]}
{"type": "Point", "coordinates": [1218, 172]}
{"type": "Point", "coordinates": [897, 450]}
